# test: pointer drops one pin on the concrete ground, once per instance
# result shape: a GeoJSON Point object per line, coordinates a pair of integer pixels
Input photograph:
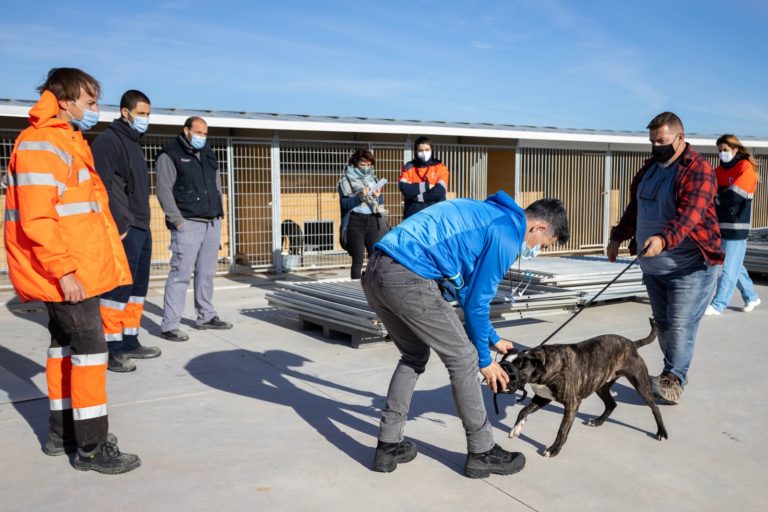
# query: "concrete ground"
{"type": "Point", "coordinates": [265, 417]}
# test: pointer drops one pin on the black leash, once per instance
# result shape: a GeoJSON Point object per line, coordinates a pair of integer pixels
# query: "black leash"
{"type": "Point", "coordinates": [585, 306]}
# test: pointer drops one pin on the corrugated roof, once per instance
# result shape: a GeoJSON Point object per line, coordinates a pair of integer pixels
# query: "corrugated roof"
{"type": "Point", "coordinates": [305, 122]}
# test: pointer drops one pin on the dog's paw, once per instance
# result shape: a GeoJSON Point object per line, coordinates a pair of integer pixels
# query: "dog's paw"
{"type": "Point", "coordinates": [593, 423]}
{"type": "Point", "coordinates": [661, 435]}
{"type": "Point", "coordinates": [517, 429]}
{"type": "Point", "coordinates": [550, 452]}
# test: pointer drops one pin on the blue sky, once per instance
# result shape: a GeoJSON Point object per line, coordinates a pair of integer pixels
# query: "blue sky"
{"type": "Point", "coordinates": [571, 64]}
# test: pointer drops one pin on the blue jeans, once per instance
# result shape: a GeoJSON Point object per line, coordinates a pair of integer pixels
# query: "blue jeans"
{"type": "Point", "coordinates": [733, 275]}
{"type": "Point", "coordinates": [678, 301]}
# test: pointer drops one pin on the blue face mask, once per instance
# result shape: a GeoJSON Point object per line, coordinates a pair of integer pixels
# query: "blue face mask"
{"type": "Point", "coordinates": [140, 123]}
{"type": "Point", "coordinates": [197, 142]}
{"type": "Point", "coordinates": [528, 253]}
{"type": "Point", "coordinates": [89, 120]}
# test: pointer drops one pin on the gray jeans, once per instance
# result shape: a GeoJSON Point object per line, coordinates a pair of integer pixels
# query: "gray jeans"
{"type": "Point", "coordinates": [193, 247]}
{"type": "Point", "coordinates": [419, 319]}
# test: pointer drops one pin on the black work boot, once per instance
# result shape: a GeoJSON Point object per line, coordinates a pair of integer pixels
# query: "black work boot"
{"type": "Point", "coordinates": [388, 455]}
{"type": "Point", "coordinates": [175, 335]}
{"type": "Point", "coordinates": [57, 445]}
{"type": "Point", "coordinates": [496, 460]}
{"type": "Point", "coordinates": [214, 323]}
{"type": "Point", "coordinates": [118, 362]}
{"type": "Point", "coordinates": [106, 458]}
{"type": "Point", "coordinates": [141, 352]}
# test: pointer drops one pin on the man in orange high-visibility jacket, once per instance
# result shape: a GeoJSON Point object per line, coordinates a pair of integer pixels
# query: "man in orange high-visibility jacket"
{"type": "Point", "coordinates": [423, 180]}
{"type": "Point", "coordinates": [63, 249]}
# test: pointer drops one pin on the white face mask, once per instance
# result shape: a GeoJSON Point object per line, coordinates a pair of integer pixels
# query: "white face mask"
{"type": "Point", "coordinates": [424, 156]}
{"type": "Point", "coordinates": [726, 156]}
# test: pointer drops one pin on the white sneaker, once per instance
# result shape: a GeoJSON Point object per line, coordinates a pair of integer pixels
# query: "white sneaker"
{"type": "Point", "coordinates": [749, 306]}
{"type": "Point", "coordinates": [711, 311]}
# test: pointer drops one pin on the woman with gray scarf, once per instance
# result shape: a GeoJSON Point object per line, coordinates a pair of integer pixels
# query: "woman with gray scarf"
{"type": "Point", "coordinates": [363, 216]}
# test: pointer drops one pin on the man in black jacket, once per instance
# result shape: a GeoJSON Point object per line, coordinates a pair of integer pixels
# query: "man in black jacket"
{"type": "Point", "coordinates": [120, 162]}
{"type": "Point", "coordinates": [189, 191]}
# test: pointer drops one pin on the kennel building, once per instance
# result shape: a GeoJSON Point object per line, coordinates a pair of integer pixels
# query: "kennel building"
{"type": "Point", "coordinates": [280, 173]}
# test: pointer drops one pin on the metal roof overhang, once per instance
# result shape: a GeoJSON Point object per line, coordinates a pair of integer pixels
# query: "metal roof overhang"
{"type": "Point", "coordinates": [276, 122]}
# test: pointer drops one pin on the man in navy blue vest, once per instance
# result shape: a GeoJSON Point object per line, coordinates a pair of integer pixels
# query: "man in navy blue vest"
{"type": "Point", "coordinates": [189, 191]}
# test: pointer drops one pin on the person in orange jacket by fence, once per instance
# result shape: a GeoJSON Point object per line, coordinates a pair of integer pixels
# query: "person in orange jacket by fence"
{"type": "Point", "coordinates": [736, 184]}
{"type": "Point", "coordinates": [64, 249]}
{"type": "Point", "coordinates": [423, 180]}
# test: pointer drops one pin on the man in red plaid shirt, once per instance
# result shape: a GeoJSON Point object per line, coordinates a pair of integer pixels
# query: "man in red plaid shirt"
{"type": "Point", "coordinates": [671, 213]}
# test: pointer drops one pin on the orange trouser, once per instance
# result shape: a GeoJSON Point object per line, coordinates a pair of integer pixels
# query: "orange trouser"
{"type": "Point", "coordinates": [76, 372]}
{"type": "Point", "coordinates": [121, 308]}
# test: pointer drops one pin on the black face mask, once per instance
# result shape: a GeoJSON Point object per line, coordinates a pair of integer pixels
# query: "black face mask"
{"type": "Point", "coordinates": [664, 153]}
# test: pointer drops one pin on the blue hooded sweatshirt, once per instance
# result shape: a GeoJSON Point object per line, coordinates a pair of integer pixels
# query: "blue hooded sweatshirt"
{"type": "Point", "coordinates": [469, 243]}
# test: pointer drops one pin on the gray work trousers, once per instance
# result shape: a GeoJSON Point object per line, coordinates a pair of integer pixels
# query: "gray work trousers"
{"type": "Point", "coordinates": [193, 247]}
{"type": "Point", "coordinates": [419, 319]}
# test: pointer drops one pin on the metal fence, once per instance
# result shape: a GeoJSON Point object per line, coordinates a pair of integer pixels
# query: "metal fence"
{"type": "Point", "coordinates": [281, 202]}
{"type": "Point", "coordinates": [309, 211]}
{"type": "Point", "coordinates": [594, 185]}
{"type": "Point", "coordinates": [575, 177]}
{"type": "Point", "coordinates": [161, 238]}
{"type": "Point", "coordinates": [281, 199]}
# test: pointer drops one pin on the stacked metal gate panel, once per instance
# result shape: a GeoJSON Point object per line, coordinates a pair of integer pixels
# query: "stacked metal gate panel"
{"type": "Point", "coordinates": [756, 258]}
{"type": "Point", "coordinates": [341, 304]}
{"type": "Point", "coordinates": [586, 274]}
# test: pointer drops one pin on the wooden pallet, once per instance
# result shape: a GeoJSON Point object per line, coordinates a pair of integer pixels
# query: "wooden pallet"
{"type": "Point", "coordinates": [332, 329]}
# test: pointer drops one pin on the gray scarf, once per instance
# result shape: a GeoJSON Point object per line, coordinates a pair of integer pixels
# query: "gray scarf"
{"type": "Point", "coordinates": [353, 181]}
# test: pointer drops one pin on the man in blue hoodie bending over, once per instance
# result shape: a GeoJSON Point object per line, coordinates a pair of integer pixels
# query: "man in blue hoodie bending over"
{"type": "Point", "coordinates": [459, 250]}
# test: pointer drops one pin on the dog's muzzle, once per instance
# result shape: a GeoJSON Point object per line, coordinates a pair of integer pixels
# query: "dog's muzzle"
{"type": "Point", "coordinates": [516, 382]}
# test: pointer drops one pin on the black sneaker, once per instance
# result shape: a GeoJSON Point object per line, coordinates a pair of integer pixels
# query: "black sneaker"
{"type": "Point", "coordinates": [141, 352]}
{"type": "Point", "coordinates": [175, 335]}
{"type": "Point", "coordinates": [106, 458]}
{"type": "Point", "coordinates": [118, 362]}
{"type": "Point", "coordinates": [388, 455]}
{"type": "Point", "coordinates": [496, 460]}
{"type": "Point", "coordinates": [214, 323]}
{"type": "Point", "coordinates": [56, 445]}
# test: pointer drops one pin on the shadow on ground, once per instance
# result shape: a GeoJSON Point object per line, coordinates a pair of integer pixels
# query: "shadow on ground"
{"type": "Point", "coordinates": [35, 410]}
{"type": "Point", "coordinates": [276, 380]}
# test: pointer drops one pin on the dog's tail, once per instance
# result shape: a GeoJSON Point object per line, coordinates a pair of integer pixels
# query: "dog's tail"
{"type": "Point", "coordinates": [650, 337]}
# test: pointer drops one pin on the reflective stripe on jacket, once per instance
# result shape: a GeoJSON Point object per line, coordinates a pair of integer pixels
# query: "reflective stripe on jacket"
{"type": "Point", "coordinates": [57, 218]}
{"type": "Point", "coordinates": [416, 178]}
{"type": "Point", "coordinates": [735, 190]}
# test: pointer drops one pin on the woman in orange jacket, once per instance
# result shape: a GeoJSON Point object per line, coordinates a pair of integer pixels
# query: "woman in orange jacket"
{"type": "Point", "coordinates": [63, 249]}
{"type": "Point", "coordinates": [423, 180]}
{"type": "Point", "coordinates": [736, 184]}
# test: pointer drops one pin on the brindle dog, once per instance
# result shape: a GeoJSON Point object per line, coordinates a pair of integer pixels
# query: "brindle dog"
{"type": "Point", "coordinates": [569, 373]}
